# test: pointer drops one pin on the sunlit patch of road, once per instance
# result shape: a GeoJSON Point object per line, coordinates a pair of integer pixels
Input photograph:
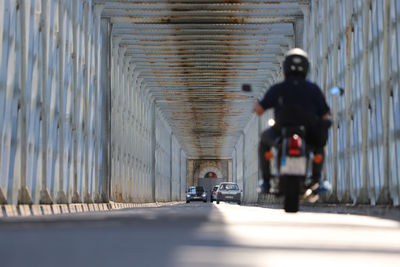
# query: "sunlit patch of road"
{"type": "Point", "coordinates": [271, 237]}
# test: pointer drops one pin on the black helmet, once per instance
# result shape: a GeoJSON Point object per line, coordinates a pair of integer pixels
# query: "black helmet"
{"type": "Point", "coordinates": [296, 63]}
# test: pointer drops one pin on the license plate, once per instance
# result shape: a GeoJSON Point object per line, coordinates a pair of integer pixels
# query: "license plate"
{"type": "Point", "coordinates": [293, 166]}
{"type": "Point", "coordinates": [229, 197]}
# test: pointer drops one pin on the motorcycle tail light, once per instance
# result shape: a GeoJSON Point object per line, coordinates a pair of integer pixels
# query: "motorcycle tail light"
{"type": "Point", "coordinates": [295, 145]}
{"type": "Point", "coordinates": [318, 158]}
{"type": "Point", "coordinates": [269, 155]}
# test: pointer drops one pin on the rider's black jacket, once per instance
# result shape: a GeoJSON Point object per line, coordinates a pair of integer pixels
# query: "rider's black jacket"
{"type": "Point", "coordinates": [297, 101]}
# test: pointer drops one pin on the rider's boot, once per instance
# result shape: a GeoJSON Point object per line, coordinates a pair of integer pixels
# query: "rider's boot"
{"type": "Point", "coordinates": [318, 161]}
{"type": "Point", "coordinates": [265, 167]}
{"type": "Point", "coordinates": [265, 187]}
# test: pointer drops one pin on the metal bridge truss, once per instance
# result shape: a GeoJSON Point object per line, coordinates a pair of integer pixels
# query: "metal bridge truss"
{"type": "Point", "coordinates": [354, 45]}
{"type": "Point", "coordinates": [76, 123]}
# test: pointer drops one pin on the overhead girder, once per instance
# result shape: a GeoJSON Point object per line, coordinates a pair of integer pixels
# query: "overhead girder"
{"type": "Point", "coordinates": [192, 57]}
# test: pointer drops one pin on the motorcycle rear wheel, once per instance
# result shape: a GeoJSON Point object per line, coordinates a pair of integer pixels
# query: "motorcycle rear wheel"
{"type": "Point", "coordinates": [291, 193]}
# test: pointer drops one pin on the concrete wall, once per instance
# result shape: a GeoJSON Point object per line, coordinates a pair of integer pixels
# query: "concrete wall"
{"type": "Point", "coordinates": [196, 169]}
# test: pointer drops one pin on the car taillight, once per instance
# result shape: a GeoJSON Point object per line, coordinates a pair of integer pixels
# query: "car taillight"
{"type": "Point", "coordinates": [295, 145]}
{"type": "Point", "coordinates": [238, 194]}
{"type": "Point", "coordinates": [219, 193]}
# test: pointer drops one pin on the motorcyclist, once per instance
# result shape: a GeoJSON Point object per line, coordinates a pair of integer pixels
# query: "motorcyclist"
{"type": "Point", "coordinates": [296, 101]}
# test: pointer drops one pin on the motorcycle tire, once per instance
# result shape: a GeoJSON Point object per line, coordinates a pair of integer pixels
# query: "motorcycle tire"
{"type": "Point", "coordinates": [292, 193]}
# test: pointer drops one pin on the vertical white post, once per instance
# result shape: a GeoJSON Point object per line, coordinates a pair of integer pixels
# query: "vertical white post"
{"type": "Point", "coordinates": [171, 161]}
{"type": "Point", "coordinates": [87, 19]}
{"type": "Point", "coordinates": [114, 109]}
{"type": "Point", "coordinates": [97, 20]}
{"type": "Point", "coordinates": [324, 48]}
{"type": "Point", "coordinates": [245, 197]}
{"type": "Point", "coordinates": [105, 71]}
{"type": "Point", "coordinates": [2, 8]}
{"type": "Point", "coordinates": [315, 41]}
{"type": "Point", "coordinates": [45, 25]}
{"type": "Point", "coordinates": [324, 60]}
{"type": "Point", "coordinates": [135, 100]}
{"type": "Point", "coordinates": [130, 131]}
{"type": "Point", "coordinates": [384, 195]}
{"type": "Point", "coordinates": [3, 199]}
{"type": "Point", "coordinates": [180, 175]}
{"type": "Point", "coordinates": [306, 13]}
{"type": "Point", "coordinates": [75, 197]}
{"type": "Point", "coordinates": [334, 198]}
{"type": "Point", "coordinates": [120, 116]}
{"type": "Point", "coordinates": [61, 197]}
{"type": "Point", "coordinates": [235, 174]}
{"type": "Point", "coordinates": [347, 197]}
{"type": "Point", "coordinates": [125, 122]}
{"type": "Point", "coordinates": [364, 196]}
{"type": "Point", "coordinates": [23, 194]}
{"type": "Point", "coordinates": [5, 105]}
{"type": "Point", "coordinates": [141, 134]}
{"type": "Point", "coordinates": [153, 150]}
{"type": "Point", "coordinates": [121, 127]}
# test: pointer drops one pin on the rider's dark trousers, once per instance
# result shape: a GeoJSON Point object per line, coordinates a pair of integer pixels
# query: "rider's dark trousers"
{"type": "Point", "coordinates": [269, 138]}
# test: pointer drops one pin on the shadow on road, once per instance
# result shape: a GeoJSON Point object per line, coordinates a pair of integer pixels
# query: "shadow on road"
{"type": "Point", "coordinates": [131, 237]}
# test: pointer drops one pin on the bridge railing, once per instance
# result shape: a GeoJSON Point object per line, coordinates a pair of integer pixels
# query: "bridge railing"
{"type": "Point", "coordinates": [76, 121]}
{"type": "Point", "coordinates": [353, 44]}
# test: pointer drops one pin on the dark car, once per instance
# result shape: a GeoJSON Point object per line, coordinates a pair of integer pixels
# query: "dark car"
{"type": "Point", "coordinates": [229, 192]}
{"type": "Point", "coordinates": [196, 193]}
{"type": "Point", "coordinates": [213, 195]}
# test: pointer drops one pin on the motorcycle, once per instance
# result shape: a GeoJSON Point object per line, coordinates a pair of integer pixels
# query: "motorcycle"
{"type": "Point", "coordinates": [294, 164]}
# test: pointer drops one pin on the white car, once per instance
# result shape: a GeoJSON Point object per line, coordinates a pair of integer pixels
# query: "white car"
{"type": "Point", "coordinates": [229, 192]}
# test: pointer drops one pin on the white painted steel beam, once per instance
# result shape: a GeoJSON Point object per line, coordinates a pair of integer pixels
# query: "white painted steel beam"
{"type": "Point", "coordinates": [348, 196]}
{"type": "Point", "coordinates": [44, 112]}
{"type": "Point", "coordinates": [103, 111]}
{"type": "Point", "coordinates": [334, 133]}
{"type": "Point", "coordinates": [75, 197]}
{"type": "Point", "coordinates": [364, 196]}
{"type": "Point", "coordinates": [384, 195]}
{"type": "Point", "coordinates": [61, 197]}
{"type": "Point", "coordinates": [24, 196]}
{"type": "Point", "coordinates": [97, 105]}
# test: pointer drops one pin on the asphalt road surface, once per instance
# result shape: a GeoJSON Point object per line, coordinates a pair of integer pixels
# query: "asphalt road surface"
{"type": "Point", "coordinates": [200, 234]}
